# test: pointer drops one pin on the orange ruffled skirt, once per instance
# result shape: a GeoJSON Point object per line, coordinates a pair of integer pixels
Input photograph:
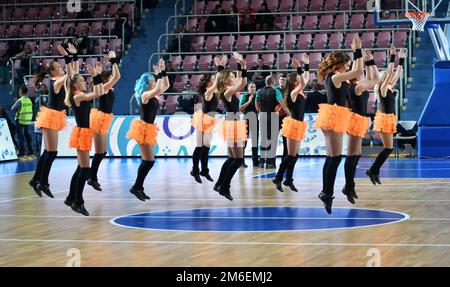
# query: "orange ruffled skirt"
{"type": "Point", "coordinates": [142, 132]}
{"type": "Point", "coordinates": [100, 121]}
{"type": "Point", "coordinates": [51, 119]}
{"type": "Point", "coordinates": [203, 122]}
{"type": "Point", "coordinates": [385, 123]}
{"type": "Point", "coordinates": [234, 131]}
{"type": "Point", "coordinates": [293, 129]}
{"type": "Point", "coordinates": [333, 118]}
{"type": "Point", "coordinates": [358, 125]}
{"type": "Point", "coordinates": [81, 139]}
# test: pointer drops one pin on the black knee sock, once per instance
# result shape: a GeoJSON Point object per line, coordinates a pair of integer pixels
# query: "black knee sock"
{"type": "Point", "coordinates": [284, 166]}
{"type": "Point", "coordinates": [204, 159]}
{"type": "Point", "coordinates": [196, 158]}
{"type": "Point", "coordinates": [73, 183]}
{"type": "Point", "coordinates": [355, 164]}
{"type": "Point", "coordinates": [330, 176]}
{"type": "Point", "coordinates": [144, 168]}
{"type": "Point", "coordinates": [324, 170]}
{"type": "Point", "coordinates": [349, 167]}
{"type": "Point", "coordinates": [290, 168]}
{"type": "Point", "coordinates": [98, 157]}
{"type": "Point", "coordinates": [223, 170]}
{"type": "Point", "coordinates": [234, 166]}
{"type": "Point", "coordinates": [381, 158]}
{"type": "Point", "coordinates": [83, 176]}
{"type": "Point", "coordinates": [47, 165]}
{"type": "Point", "coordinates": [37, 173]}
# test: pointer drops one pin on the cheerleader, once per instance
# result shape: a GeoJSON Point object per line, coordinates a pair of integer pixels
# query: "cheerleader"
{"type": "Point", "coordinates": [385, 119]}
{"type": "Point", "coordinates": [52, 119]}
{"type": "Point", "coordinates": [204, 121]}
{"type": "Point", "coordinates": [293, 127]}
{"type": "Point", "coordinates": [102, 117]}
{"type": "Point", "coordinates": [233, 129]}
{"type": "Point", "coordinates": [358, 97]}
{"type": "Point", "coordinates": [144, 131]}
{"type": "Point", "coordinates": [81, 137]}
{"type": "Point", "coordinates": [334, 117]}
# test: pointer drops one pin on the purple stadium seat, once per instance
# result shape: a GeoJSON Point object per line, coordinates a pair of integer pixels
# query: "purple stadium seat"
{"type": "Point", "coordinates": [361, 5]}
{"type": "Point", "coordinates": [383, 39]}
{"type": "Point", "coordinates": [316, 5]}
{"type": "Point", "coordinates": [46, 13]}
{"type": "Point", "coordinates": [367, 39]}
{"type": "Point", "coordinates": [26, 31]}
{"type": "Point", "coordinates": [210, 6]}
{"type": "Point", "coordinates": [54, 47]}
{"type": "Point", "coordinates": [55, 29]}
{"type": "Point", "coordinates": [195, 79]}
{"type": "Point", "coordinates": [326, 21]}
{"type": "Point", "coordinates": [100, 10]}
{"type": "Point", "coordinates": [211, 43]}
{"type": "Point", "coordinates": [227, 5]}
{"type": "Point", "coordinates": [176, 61]}
{"type": "Point", "coordinates": [281, 22]}
{"type": "Point", "coordinates": [302, 5]}
{"type": "Point", "coordinates": [11, 29]}
{"type": "Point", "coordinates": [258, 42]}
{"type": "Point", "coordinates": [349, 39]}
{"type": "Point", "coordinates": [272, 5]}
{"type": "Point", "coordinates": [226, 43]}
{"type": "Point", "coordinates": [340, 21]}
{"type": "Point", "coordinates": [370, 22]}
{"type": "Point", "coordinates": [198, 8]}
{"type": "Point", "coordinates": [33, 13]}
{"type": "Point", "coordinates": [256, 4]}
{"type": "Point", "coordinates": [43, 47]}
{"type": "Point", "coordinates": [296, 22]}
{"type": "Point", "coordinates": [251, 59]}
{"type": "Point", "coordinates": [314, 59]}
{"type": "Point", "coordinates": [400, 38]}
{"type": "Point", "coordinates": [81, 26]}
{"type": "Point", "coordinates": [204, 62]}
{"type": "Point", "coordinates": [273, 41]}
{"type": "Point", "coordinates": [283, 60]}
{"type": "Point", "coordinates": [96, 28]}
{"type": "Point", "coordinates": [331, 5]}
{"type": "Point", "coordinates": [268, 59]}
{"type": "Point", "coordinates": [290, 41]}
{"type": "Point", "coordinates": [40, 30]}
{"type": "Point", "coordinates": [304, 40]}
{"type": "Point", "coordinates": [201, 25]}
{"type": "Point", "coordinates": [310, 22]}
{"type": "Point", "coordinates": [172, 102]}
{"type": "Point", "coordinates": [345, 5]}
{"type": "Point", "coordinates": [179, 82]}
{"type": "Point", "coordinates": [232, 63]}
{"type": "Point", "coordinates": [192, 24]}
{"type": "Point", "coordinates": [242, 42]}
{"type": "Point", "coordinates": [356, 21]}
{"type": "Point", "coordinates": [66, 27]}
{"type": "Point", "coordinates": [240, 4]}
{"type": "Point", "coordinates": [320, 41]}
{"type": "Point", "coordinates": [197, 43]}
{"type": "Point", "coordinates": [380, 58]}
{"type": "Point", "coordinates": [189, 63]}
{"type": "Point", "coordinates": [286, 5]}
{"type": "Point", "coordinates": [19, 13]}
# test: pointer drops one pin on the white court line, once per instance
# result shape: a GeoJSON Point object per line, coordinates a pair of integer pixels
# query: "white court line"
{"type": "Point", "coordinates": [440, 245]}
{"type": "Point", "coordinates": [296, 199]}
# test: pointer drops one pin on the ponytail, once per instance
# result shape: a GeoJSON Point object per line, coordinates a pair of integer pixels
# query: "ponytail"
{"type": "Point", "coordinates": [330, 63]}
{"type": "Point", "coordinates": [142, 84]}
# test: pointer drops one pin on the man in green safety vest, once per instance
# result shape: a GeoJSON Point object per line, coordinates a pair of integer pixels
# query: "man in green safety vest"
{"type": "Point", "coordinates": [23, 108]}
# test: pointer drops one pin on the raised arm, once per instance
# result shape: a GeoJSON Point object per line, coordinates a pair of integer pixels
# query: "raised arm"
{"type": "Point", "coordinates": [389, 72]}
{"type": "Point", "coordinates": [69, 71]}
{"type": "Point", "coordinates": [98, 85]}
{"type": "Point", "coordinates": [399, 71]}
{"type": "Point", "coordinates": [372, 77]}
{"type": "Point", "coordinates": [75, 64]}
{"type": "Point", "coordinates": [241, 76]}
{"type": "Point", "coordinates": [162, 82]}
{"type": "Point", "coordinates": [115, 71]}
{"type": "Point", "coordinates": [357, 68]}
{"type": "Point", "coordinates": [305, 59]}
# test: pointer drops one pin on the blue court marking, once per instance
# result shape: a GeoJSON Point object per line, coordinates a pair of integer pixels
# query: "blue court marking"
{"type": "Point", "coordinates": [258, 219]}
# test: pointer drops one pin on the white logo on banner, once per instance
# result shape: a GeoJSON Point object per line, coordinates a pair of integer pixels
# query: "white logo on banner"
{"type": "Point", "coordinates": [74, 6]}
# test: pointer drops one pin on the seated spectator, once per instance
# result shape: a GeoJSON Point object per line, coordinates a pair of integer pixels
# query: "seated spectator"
{"type": "Point", "coordinates": [314, 98]}
{"type": "Point", "coordinates": [121, 23]}
{"type": "Point", "coordinates": [233, 20]}
{"type": "Point", "coordinates": [264, 22]}
{"type": "Point", "coordinates": [259, 77]}
{"type": "Point", "coordinates": [14, 46]}
{"type": "Point", "coordinates": [247, 21]}
{"type": "Point", "coordinates": [71, 33]}
{"type": "Point", "coordinates": [180, 38]}
{"type": "Point", "coordinates": [84, 44]}
{"type": "Point", "coordinates": [216, 23]}
{"type": "Point", "coordinates": [24, 67]}
{"type": "Point", "coordinates": [187, 100]}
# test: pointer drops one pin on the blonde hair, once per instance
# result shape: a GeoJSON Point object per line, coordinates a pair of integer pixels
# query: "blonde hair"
{"type": "Point", "coordinates": [222, 79]}
{"type": "Point", "coordinates": [330, 63]}
{"type": "Point", "coordinates": [69, 84]}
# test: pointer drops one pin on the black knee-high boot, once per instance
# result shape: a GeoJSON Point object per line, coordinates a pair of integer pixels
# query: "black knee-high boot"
{"type": "Point", "coordinates": [231, 171]}
{"type": "Point", "coordinates": [73, 182]}
{"type": "Point", "coordinates": [78, 203]}
{"type": "Point", "coordinates": [374, 170]}
{"type": "Point", "coordinates": [46, 167]}
{"type": "Point", "coordinates": [223, 171]}
{"type": "Point", "coordinates": [37, 174]}
{"type": "Point", "coordinates": [324, 170]}
{"type": "Point", "coordinates": [280, 173]}
{"type": "Point", "coordinates": [330, 177]}
{"type": "Point", "coordinates": [196, 156]}
{"type": "Point", "coordinates": [93, 179]}
{"type": "Point", "coordinates": [138, 187]}
{"type": "Point", "coordinates": [289, 174]}
{"type": "Point", "coordinates": [204, 160]}
{"type": "Point", "coordinates": [349, 187]}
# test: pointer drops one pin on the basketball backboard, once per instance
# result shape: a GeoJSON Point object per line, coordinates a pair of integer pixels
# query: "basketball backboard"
{"type": "Point", "coordinates": [392, 12]}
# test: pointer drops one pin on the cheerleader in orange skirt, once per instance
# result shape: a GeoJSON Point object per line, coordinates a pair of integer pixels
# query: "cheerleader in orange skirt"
{"type": "Point", "coordinates": [81, 137]}
{"type": "Point", "coordinates": [147, 91]}
{"type": "Point", "coordinates": [334, 117]}
{"type": "Point", "coordinates": [385, 118]}
{"type": "Point", "coordinates": [102, 117]}
{"type": "Point", "coordinates": [204, 121]}
{"type": "Point", "coordinates": [233, 129]}
{"type": "Point", "coordinates": [293, 127]}
{"type": "Point", "coordinates": [52, 119]}
{"type": "Point", "coordinates": [358, 97]}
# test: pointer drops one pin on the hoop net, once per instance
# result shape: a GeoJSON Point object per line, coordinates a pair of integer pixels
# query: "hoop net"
{"type": "Point", "coordinates": [419, 19]}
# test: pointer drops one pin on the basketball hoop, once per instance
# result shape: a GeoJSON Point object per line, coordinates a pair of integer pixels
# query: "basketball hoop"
{"type": "Point", "coordinates": [418, 19]}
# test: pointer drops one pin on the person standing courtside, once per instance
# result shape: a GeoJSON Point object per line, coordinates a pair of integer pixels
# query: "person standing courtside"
{"type": "Point", "coordinates": [267, 100]}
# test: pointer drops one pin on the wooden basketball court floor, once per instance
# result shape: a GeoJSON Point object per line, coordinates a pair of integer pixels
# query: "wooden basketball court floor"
{"type": "Point", "coordinates": [44, 232]}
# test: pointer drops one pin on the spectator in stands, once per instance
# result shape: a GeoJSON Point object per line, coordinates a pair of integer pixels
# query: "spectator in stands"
{"type": "Point", "coordinates": [12, 127]}
{"type": "Point", "coordinates": [23, 108]}
{"type": "Point", "coordinates": [264, 22]}
{"type": "Point", "coordinates": [121, 23]}
{"type": "Point", "coordinates": [314, 98]}
{"type": "Point", "coordinates": [180, 38]}
{"type": "Point", "coordinates": [233, 20]}
{"type": "Point", "coordinates": [217, 23]}
{"type": "Point", "coordinates": [24, 67]}
{"type": "Point", "coordinates": [14, 46]}
{"type": "Point", "coordinates": [84, 44]}
{"type": "Point", "coordinates": [169, 68]}
{"type": "Point", "coordinates": [187, 100]}
{"type": "Point", "coordinates": [259, 77]}
{"type": "Point", "coordinates": [247, 21]}
{"type": "Point", "coordinates": [85, 13]}
{"type": "Point", "coordinates": [72, 37]}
